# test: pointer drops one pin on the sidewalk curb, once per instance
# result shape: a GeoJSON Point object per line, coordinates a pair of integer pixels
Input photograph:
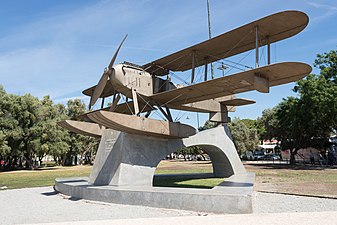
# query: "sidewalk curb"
{"type": "Point", "coordinates": [302, 195]}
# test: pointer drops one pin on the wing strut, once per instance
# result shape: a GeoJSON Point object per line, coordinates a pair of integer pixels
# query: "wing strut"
{"type": "Point", "coordinates": [166, 114]}
{"type": "Point", "coordinates": [102, 105]}
{"type": "Point", "coordinates": [268, 54]}
{"type": "Point", "coordinates": [206, 65]}
{"type": "Point", "coordinates": [256, 46]}
{"type": "Point", "coordinates": [115, 102]}
{"type": "Point", "coordinates": [169, 114]}
{"type": "Point", "coordinates": [193, 66]}
{"type": "Point", "coordinates": [135, 101]}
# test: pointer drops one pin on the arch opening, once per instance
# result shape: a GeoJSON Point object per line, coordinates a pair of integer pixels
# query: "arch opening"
{"type": "Point", "coordinates": [195, 166]}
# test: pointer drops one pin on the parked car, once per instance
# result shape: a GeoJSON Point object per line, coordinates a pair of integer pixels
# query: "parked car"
{"type": "Point", "coordinates": [272, 157]}
{"type": "Point", "coordinates": [248, 155]}
{"type": "Point", "coordinates": [258, 154]}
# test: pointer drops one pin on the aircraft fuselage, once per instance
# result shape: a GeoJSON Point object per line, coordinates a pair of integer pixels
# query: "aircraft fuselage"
{"type": "Point", "coordinates": [127, 77]}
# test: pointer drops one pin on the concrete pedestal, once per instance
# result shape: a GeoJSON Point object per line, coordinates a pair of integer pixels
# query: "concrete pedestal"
{"type": "Point", "coordinates": [125, 164]}
{"type": "Point", "coordinates": [130, 160]}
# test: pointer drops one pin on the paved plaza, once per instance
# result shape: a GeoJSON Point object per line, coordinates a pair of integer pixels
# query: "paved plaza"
{"type": "Point", "coordinates": [43, 205]}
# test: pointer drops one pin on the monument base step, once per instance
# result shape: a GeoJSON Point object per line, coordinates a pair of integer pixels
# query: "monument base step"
{"type": "Point", "coordinates": [234, 195]}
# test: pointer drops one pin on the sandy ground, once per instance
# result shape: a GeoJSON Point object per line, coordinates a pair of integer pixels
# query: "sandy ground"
{"type": "Point", "coordinates": [43, 205]}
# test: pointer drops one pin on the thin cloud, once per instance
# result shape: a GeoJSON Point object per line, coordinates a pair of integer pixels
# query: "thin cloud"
{"type": "Point", "coordinates": [133, 48]}
{"type": "Point", "coordinates": [328, 11]}
{"type": "Point", "coordinates": [324, 6]}
{"type": "Point", "coordinates": [48, 56]}
{"type": "Point", "coordinates": [83, 99]}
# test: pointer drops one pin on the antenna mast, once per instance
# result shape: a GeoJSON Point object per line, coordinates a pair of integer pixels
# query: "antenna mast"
{"type": "Point", "coordinates": [209, 33]}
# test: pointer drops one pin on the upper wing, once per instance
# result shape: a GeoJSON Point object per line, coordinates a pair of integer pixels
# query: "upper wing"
{"type": "Point", "coordinates": [275, 27]}
{"type": "Point", "coordinates": [256, 79]}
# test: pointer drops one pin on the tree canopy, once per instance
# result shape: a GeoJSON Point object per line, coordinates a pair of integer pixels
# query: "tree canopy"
{"type": "Point", "coordinates": [29, 130]}
{"type": "Point", "coordinates": [308, 119]}
{"type": "Point", "coordinates": [244, 134]}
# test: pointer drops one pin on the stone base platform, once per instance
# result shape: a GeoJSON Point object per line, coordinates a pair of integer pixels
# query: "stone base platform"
{"type": "Point", "coordinates": [234, 195]}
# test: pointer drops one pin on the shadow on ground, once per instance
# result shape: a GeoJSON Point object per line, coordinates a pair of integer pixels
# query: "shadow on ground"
{"type": "Point", "coordinates": [52, 193]}
{"type": "Point", "coordinates": [181, 181]}
{"type": "Point", "coordinates": [289, 167]}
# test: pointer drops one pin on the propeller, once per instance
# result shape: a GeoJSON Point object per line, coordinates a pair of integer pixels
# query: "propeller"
{"type": "Point", "coordinates": [108, 71]}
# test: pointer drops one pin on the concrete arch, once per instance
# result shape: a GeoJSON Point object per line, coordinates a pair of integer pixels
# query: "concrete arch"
{"type": "Point", "coordinates": [217, 142]}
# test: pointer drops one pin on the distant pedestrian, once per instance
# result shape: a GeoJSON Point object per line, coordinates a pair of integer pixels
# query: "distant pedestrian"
{"type": "Point", "coordinates": [2, 163]}
{"type": "Point", "coordinates": [331, 158]}
{"type": "Point", "coordinates": [320, 160]}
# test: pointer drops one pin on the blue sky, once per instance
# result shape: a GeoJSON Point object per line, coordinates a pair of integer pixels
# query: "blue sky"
{"type": "Point", "coordinates": [60, 48]}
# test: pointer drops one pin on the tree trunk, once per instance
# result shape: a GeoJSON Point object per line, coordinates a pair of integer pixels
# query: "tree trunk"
{"type": "Point", "coordinates": [40, 160]}
{"type": "Point", "coordinates": [28, 163]}
{"type": "Point", "coordinates": [9, 162]}
{"type": "Point", "coordinates": [90, 159]}
{"type": "Point", "coordinates": [20, 162]}
{"type": "Point", "coordinates": [56, 160]}
{"type": "Point", "coordinates": [293, 152]}
{"type": "Point", "coordinates": [63, 159]}
{"type": "Point", "coordinates": [14, 161]}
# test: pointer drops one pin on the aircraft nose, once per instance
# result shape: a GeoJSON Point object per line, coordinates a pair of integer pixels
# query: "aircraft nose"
{"type": "Point", "coordinates": [115, 77]}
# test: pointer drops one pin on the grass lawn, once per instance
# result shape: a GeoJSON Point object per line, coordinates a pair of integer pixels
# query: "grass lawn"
{"type": "Point", "coordinates": [304, 180]}
{"type": "Point", "coordinates": [298, 179]}
{"type": "Point", "coordinates": [207, 183]}
{"type": "Point", "coordinates": [182, 167]}
{"type": "Point", "coordinates": [40, 177]}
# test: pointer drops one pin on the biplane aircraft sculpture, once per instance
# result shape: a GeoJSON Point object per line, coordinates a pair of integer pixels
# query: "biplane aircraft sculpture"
{"type": "Point", "coordinates": [149, 91]}
{"type": "Point", "coordinates": [132, 144]}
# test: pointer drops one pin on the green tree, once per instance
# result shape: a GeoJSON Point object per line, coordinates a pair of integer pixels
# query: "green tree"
{"type": "Point", "coordinates": [18, 118]}
{"type": "Point", "coordinates": [29, 130]}
{"type": "Point", "coordinates": [268, 124]}
{"type": "Point", "coordinates": [75, 108]}
{"type": "Point", "coordinates": [27, 117]}
{"type": "Point", "coordinates": [11, 132]}
{"type": "Point", "coordinates": [49, 138]}
{"type": "Point", "coordinates": [244, 138]}
{"type": "Point", "coordinates": [250, 123]}
{"type": "Point", "coordinates": [196, 150]}
{"type": "Point", "coordinates": [244, 134]}
{"type": "Point", "coordinates": [318, 96]}
{"type": "Point", "coordinates": [208, 125]}
{"type": "Point", "coordinates": [78, 144]}
{"type": "Point", "coordinates": [327, 63]}
{"type": "Point", "coordinates": [4, 148]}
{"type": "Point", "coordinates": [311, 116]}
{"type": "Point", "coordinates": [193, 150]}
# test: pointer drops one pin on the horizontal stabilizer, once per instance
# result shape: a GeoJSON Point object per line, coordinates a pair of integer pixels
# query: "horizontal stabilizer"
{"type": "Point", "coordinates": [238, 102]}
{"type": "Point", "coordinates": [206, 106]}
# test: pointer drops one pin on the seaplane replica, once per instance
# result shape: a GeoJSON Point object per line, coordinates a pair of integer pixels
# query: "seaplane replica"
{"type": "Point", "coordinates": [144, 88]}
